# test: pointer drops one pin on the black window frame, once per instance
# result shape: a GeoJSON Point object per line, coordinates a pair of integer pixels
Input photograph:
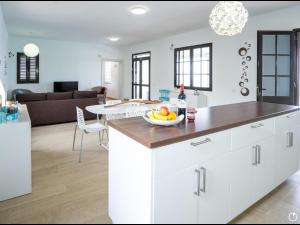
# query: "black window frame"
{"type": "Point", "coordinates": [37, 69]}
{"type": "Point", "coordinates": [141, 85]}
{"type": "Point", "coordinates": [191, 48]}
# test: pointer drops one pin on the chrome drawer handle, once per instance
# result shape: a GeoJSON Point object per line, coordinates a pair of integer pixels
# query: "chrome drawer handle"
{"type": "Point", "coordinates": [258, 154]}
{"type": "Point", "coordinates": [198, 172]}
{"type": "Point", "coordinates": [203, 188]}
{"type": "Point", "coordinates": [254, 162]}
{"type": "Point", "coordinates": [257, 126]}
{"type": "Point", "coordinates": [195, 144]}
{"type": "Point", "coordinates": [290, 140]}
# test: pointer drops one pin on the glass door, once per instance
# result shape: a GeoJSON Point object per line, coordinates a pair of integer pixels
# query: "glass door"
{"type": "Point", "coordinates": [276, 77]}
{"type": "Point", "coordinates": [141, 76]}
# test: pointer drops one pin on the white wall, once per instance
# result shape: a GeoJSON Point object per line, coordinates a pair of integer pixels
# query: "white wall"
{"type": "Point", "coordinates": [3, 50]}
{"type": "Point", "coordinates": [226, 61]}
{"type": "Point", "coordinates": [62, 61]}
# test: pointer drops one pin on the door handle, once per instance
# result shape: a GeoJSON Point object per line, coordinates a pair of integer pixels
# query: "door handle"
{"type": "Point", "coordinates": [254, 156]}
{"type": "Point", "coordinates": [197, 192]}
{"type": "Point", "coordinates": [258, 154]}
{"type": "Point", "coordinates": [290, 140]}
{"type": "Point", "coordinates": [203, 188]}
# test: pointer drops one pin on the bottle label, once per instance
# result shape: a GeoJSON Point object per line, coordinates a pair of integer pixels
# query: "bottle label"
{"type": "Point", "coordinates": [182, 104]}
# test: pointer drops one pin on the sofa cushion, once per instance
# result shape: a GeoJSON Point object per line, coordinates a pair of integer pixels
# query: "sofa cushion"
{"type": "Point", "coordinates": [100, 90]}
{"type": "Point", "coordinates": [31, 97]}
{"type": "Point", "coordinates": [103, 90]}
{"type": "Point", "coordinates": [85, 94]}
{"type": "Point", "coordinates": [60, 96]}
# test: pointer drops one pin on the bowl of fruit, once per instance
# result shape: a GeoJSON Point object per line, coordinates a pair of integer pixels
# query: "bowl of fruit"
{"type": "Point", "coordinates": [163, 117]}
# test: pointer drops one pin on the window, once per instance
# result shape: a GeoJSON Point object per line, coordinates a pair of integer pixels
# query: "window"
{"type": "Point", "coordinates": [141, 75]}
{"type": "Point", "coordinates": [27, 69]}
{"type": "Point", "coordinates": [193, 67]}
{"type": "Point", "coordinates": [108, 72]}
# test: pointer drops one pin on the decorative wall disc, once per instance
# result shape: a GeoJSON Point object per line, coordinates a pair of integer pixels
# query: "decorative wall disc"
{"type": "Point", "coordinates": [246, 59]}
{"type": "Point", "coordinates": [245, 91]}
{"type": "Point", "coordinates": [243, 51]}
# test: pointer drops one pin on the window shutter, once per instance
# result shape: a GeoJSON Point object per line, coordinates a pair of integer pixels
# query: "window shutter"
{"type": "Point", "coordinates": [23, 68]}
{"type": "Point", "coordinates": [27, 69]}
{"type": "Point", "coordinates": [32, 69]}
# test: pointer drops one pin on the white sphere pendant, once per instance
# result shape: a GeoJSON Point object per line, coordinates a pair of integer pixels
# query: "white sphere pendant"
{"type": "Point", "coordinates": [31, 50]}
{"type": "Point", "coordinates": [228, 18]}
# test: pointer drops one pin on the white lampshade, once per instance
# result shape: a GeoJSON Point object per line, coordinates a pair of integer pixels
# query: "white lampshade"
{"type": "Point", "coordinates": [2, 93]}
{"type": "Point", "coordinates": [31, 50]}
{"type": "Point", "coordinates": [228, 18]}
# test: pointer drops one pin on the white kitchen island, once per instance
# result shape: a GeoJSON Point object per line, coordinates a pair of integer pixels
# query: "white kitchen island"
{"type": "Point", "coordinates": [209, 171]}
{"type": "Point", "coordinates": [15, 157]}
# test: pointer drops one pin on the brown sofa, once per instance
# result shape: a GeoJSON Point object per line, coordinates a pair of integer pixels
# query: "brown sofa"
{"type": "Point", "coordinates": [55, 108]}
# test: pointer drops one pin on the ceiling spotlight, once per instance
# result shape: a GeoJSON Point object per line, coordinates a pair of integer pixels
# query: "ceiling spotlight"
{"type": "Point", "coordinates": [114, 39]}
{"type": "Point", "coordinates": [139, 10]}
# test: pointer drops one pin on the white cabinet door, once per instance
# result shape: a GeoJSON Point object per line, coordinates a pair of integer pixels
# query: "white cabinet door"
{"type": "Point", "coordinates": [242, 177]}
{"type": "Point", "coordinates": [287, 145]}
{"type": "Point", "coordinates": [215, 195]}
{"type": "Point", "coordinates": [175, 199]}
{"type": "Point", "coordinates": [287, 154]}
{"type": "Point", "coordinates": [266, 169]}
{"type": "Point", "coordinates": [297, 145]}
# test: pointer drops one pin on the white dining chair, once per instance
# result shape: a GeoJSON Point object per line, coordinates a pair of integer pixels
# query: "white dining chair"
{"type": "Point", "coordinates": [86, 129]}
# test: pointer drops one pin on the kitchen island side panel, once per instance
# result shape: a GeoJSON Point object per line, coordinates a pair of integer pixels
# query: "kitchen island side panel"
{"type": "Point", "coordinates": [130, 180]}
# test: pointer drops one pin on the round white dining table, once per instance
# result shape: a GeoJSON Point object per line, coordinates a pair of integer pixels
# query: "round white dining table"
{"type": "Point", "coordinates": [122, 111]}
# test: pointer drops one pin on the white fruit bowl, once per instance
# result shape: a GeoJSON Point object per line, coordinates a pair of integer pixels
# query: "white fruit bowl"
{"type": "Point", "coordinates": [165, 123]}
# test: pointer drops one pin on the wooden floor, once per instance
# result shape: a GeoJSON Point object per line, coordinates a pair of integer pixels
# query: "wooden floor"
{"type": "Point", "coordinates": [65, 192]}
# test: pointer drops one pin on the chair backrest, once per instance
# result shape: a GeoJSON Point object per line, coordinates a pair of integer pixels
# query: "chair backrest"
{"type": "Point", "coordinates": [80, 119]}
{"type": "Point", "coordinates": [19, 92]}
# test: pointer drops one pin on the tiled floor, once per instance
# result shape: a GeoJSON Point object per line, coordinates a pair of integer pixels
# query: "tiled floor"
{"type": "Point", "coordinates": [67, 192]}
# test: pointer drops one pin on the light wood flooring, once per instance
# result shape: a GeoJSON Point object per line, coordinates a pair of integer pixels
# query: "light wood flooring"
{"type": "Point", "coordinates": [65, 192]}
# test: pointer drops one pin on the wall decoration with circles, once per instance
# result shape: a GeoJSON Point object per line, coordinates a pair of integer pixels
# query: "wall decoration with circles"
{"type": "Point", "coordinates": [246, 60]}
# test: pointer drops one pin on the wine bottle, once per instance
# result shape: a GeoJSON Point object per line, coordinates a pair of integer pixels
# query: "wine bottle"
{"type": "Point", "coordinates": [182, 102]}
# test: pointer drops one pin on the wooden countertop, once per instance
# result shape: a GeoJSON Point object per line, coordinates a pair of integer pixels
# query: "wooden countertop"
{"type": "Point", "coordinates": [208, 120]}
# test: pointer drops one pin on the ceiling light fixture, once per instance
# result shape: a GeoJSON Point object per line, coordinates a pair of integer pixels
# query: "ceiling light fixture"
{"type": "Point", "coordinates": [31, 50]}
{"type": "Point", "coordinates": [114, 39]}
{"type": "Point", "coordinates": [228, 18]}
{"type": "Point", "coordinates": [139, 10]}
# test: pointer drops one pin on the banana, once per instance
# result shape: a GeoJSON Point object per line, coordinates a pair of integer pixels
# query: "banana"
{"type": "Point", "coordinates": [157, 116]}
{"type": "Point", "coordinates": [160, 117]}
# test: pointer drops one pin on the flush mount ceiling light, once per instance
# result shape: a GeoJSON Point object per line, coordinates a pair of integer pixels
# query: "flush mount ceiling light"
{"type": "Point", "coordinates": [139, 10]}
{"type": "Point", "coordinates": [31, 50]}
{"type": "Point", "coordinates": [114, 39]}
{"type": "Point", "coordinates": [228, 18]}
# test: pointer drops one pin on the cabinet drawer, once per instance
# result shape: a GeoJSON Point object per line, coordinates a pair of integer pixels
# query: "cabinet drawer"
{"type": "Point", "coordinates": [174, 158]}
{"type": "Point", "coordinates": [287, 122]}
{"type": "Point", "coordinates": [250, 134]}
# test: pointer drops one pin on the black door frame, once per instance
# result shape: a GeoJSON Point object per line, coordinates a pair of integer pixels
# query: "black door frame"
{"type": "Point", "coordinates": [141, 85]}
{"type": "Point", "coordinates": [292, 99]}
{"type": "Point", "coordinates": [296, 65]}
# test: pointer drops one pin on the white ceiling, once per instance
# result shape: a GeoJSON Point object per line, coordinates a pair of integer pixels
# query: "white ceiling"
{"type": "Point", "coordinates": [91, 21]}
